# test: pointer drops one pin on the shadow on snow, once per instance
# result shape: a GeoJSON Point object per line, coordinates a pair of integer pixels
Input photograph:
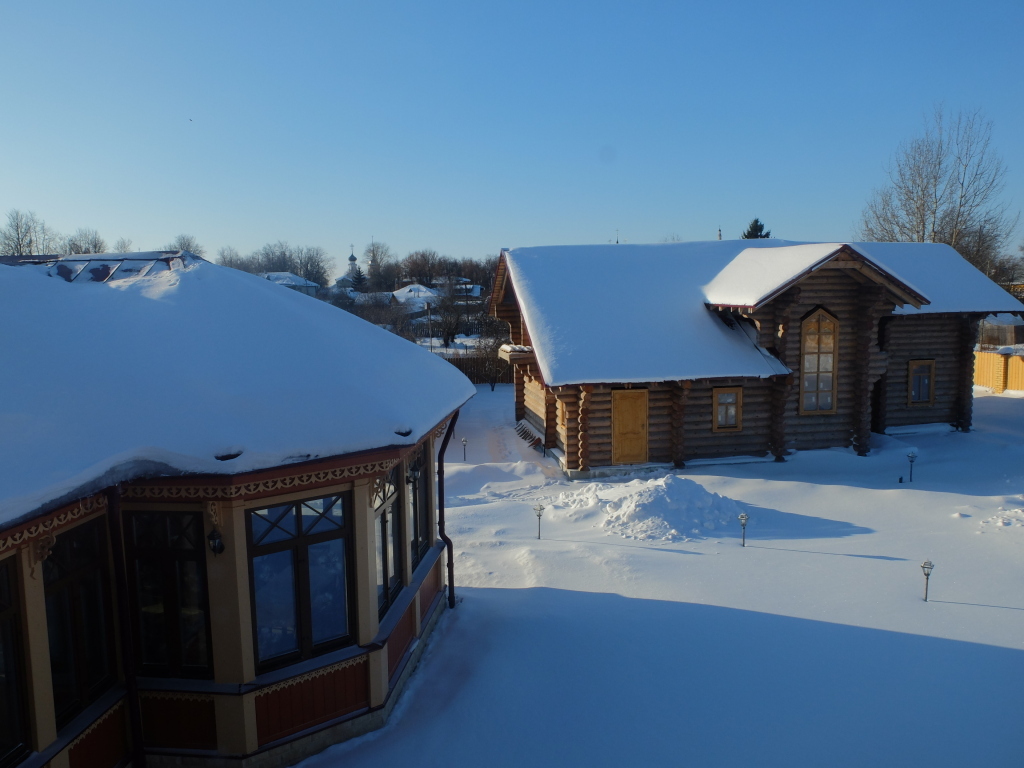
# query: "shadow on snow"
{"type": "Point", "coordinates": [545, 677]}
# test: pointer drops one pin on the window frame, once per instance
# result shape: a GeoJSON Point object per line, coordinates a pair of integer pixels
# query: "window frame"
{"type": "Point", "coordinates": [911, 402]}
{"type": "Point", "coordinates": [169, 558]}
{"type": "Point", "coordinates": [715, 393]}
{"type": "Point", "coordinates": [816, 316]}
{"type": "Point", "coordinates": [385, 501]}
{"type": "Point", "coordinates": [18, 701]}
{"type": "Point", "coordinates": [299, 545]}
{"type": "Point", "coordinates": [73, 582]}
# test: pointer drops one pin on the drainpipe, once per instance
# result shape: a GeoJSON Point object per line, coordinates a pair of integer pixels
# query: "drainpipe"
{"type": "Point", "coordinates": [116, 528]}
{"type": "Point", "coordinates": [440, 509]}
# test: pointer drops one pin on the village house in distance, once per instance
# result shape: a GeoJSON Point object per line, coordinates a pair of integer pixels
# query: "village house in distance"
{"type": "Point", "coordinates": [219, 529]}
{"type": "Point", "coordinates": [635, 354]}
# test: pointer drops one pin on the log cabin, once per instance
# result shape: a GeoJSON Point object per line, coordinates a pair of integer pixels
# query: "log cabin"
{"type": "Point", "coordinates": [662, 354]}
{"type": "Point", "coordinates": [219, 538]}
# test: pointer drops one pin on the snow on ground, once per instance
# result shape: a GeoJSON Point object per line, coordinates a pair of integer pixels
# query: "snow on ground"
{"type": "Point", "coordinates": [614, 641]}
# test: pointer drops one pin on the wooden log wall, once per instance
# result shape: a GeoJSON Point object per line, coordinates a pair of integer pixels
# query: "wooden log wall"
{"type": "Point", "coordinates": [840, 294]}
{"type": "Point", "coordinates": [969, 325]}
{"type": "Point", "coordinates": [519, 383]}
{"type": "Point", "coordinates": [535, 403]}
{"type": "Point", "coordinates": [754, 439]}
{"type": "Point", "coordinates": [567, 415]}
{"type": "Point", "coordinates": [928, 337]}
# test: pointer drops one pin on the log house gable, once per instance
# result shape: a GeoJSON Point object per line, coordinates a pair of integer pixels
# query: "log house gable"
{"type": "Point", "coordinates": [860, 268]}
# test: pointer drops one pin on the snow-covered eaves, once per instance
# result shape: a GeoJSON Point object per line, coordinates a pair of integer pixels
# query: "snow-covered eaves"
{"type": "Point", "coordinates": [106, 382]}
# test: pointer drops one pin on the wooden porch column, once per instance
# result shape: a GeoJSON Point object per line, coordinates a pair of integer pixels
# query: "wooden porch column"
{"type": "Point", "coordinates": [37, 648]}
{"type": "Point", "coordinates": [519, 383]}
{"type": "Point", "coordinates": [870, 362]}
{"type": "Point", "coordinates": [787, 349]}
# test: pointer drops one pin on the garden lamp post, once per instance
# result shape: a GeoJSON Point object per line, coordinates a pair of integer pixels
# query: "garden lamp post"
{"type": "Point", "coordinates": [913, 457]}
{"type": "Point", "coordinates": [539, 509]}
{"type": "Point", "coordinates": [926, 567]}
{"type": "Point", "coordinates": [465, 442]}
{"type": "Point", "coordinates": [744, 517]}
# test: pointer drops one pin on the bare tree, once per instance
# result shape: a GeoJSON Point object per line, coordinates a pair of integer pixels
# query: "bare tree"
{"type": "Point", "coordinates": [945, 187]}
{"type": "Point", "coordinates": [27, 235]}
{"type": "Point", "coordinates": [382, 269]}
{"type": "Point", "coordinates": [86, 241]}
{"type": "Point", "coordinates": [313, 263]}
{"type": "Point", "coordinates": [229, 257]}
{"type": "Point", "coordinates": [422, 266]}
{"type": "Point", "coordinates": [122, 245]}
{"type": "Point", "coordinates": [186, 243]}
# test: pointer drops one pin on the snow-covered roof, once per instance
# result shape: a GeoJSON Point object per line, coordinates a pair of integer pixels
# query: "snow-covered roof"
{"type": "Point", "coordinates": [104, 382]}
{"type": "Point", "coordinates": [651, 322]}
{"type": "Point", "coordinates": [290, 279]}
{"type": "Point", "coordinates": [414, 292]}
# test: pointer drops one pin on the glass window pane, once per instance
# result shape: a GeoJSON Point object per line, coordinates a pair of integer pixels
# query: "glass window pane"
{"type": "Point", "coordinates": [382, 593]}
{"type": "Point", "coordinates": [273, 579]}
{"type": "Point", "coordinates": [152, 612]}
{"type": "Point", "coordinates": [810, 382]}
{"type": "Point", "coordinates": [192, 614]}
{"type": "Point", "coordinates": [824, 401]}
{"type": "Point", "coordinates": [810, 342]}
{"type": "Point", "coordinates": [810, 363]}
{"type": "Point", "coordinates": [730, 415]}
{"type": "Point", "coordinates": [273, 524]}
{"type": "Point", "coordinates": [825, 362]}
{"type": "Point", "coordinates": [150, 529]}
{"type": "Point", "coordinates": [93, 631]}
{"type": "Point", "coordinates": [328, 596]}
{"type": "Point", "coordinates": [12, 716]}
{"type": "Point", "coordinates": [186, 530]}
{"type": "Point", "coordinates": [827, 342]}
{"type": "Point", "coordinates": [727, 397]}
{"type": "Point", "coordinates": [825, 381]}
{"type": "Point", "coordinates": [810, 401]}
{"type": "Point", "coordinates": [826, 326]}
{"type": "Point", "coordinates": [62, 653]}
{"type": "Point", "coordinates": [323, 515]}
{"type": "Point", "coordinates": [394, 547]}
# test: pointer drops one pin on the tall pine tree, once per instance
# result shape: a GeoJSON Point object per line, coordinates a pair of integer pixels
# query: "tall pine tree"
{"type": "Point", "coordinates": [756, 231]}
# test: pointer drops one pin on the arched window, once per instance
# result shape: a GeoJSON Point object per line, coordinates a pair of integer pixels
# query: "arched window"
{"type": "Point", "coordinates": [819, 336]}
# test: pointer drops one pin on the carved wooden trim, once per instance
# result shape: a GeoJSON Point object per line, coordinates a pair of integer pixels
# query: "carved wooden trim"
{"type": "Point", "coordinates": [287, 483]}
{"type": "Point", "coordinates": [53, 523]}
{"type": "Point", "coordinates": [312, 675]}
{"type": "Point", "coordinates": [95, 724]}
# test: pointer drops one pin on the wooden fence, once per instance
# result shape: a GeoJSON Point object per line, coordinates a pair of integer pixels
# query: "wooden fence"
{"type": "Point", "coordinates": [998, 372]}
{"type": "Point", "coordinates": [480, 369]}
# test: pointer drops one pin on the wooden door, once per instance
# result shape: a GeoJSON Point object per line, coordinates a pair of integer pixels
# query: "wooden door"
{"type": "Point", "coordinates": [629, 426]}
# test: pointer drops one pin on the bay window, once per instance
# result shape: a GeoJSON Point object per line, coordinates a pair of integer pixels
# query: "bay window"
{"type": "Point", "coordinates": [422, 514]}
{"type": "Point", "coordinates": [78, 619]}
{"type": "Point", "coordinates": [301, 577]}
{"type": "Point", "coordinates": [170, 622]}
{"type": "Point", "coordinates": [388, 539]}
{"type": "Point", "coordinates": [13, 716]}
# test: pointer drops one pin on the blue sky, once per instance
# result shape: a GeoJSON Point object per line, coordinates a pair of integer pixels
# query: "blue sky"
{"type": "Point", "coordinates": [467, 127]}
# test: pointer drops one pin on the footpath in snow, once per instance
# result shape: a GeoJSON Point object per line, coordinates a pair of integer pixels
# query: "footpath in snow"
{"type": "Point", "coordinates": [637, 630]}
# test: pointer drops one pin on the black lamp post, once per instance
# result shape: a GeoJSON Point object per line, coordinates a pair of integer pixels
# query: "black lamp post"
{"type": "Point", "coordinates": [465, 442]}
{"type": "Point", "coordinates": [926, 567]}
{"type": "Point", "coordinates": [913, 457]}
{"type": "Point", "coordinates": [744, 517]}
{"type": "Point", "coordinates": [539, 509]}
